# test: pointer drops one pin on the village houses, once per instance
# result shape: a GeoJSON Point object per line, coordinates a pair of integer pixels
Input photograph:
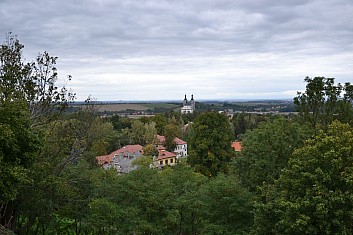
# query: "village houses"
{"type": "Point", "coordinates": [181, 149]}
{"type": "Point", "coordinates": [122, 158]}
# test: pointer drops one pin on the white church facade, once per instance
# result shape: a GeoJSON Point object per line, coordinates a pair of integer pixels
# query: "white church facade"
{"type": "Point", "coordinates": [188, 106]}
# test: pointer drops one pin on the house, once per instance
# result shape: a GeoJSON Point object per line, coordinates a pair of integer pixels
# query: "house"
{"type": "Point", "coordinates": [165, 158]}
{"type": "Point", "coordinates": [181, 149]}
{"type": "Point", "coordinates": [188, 107]}
{"type": "Point", "coordinates": [236, 145]}
{"type": "Point", "coordinates": [121, 159]}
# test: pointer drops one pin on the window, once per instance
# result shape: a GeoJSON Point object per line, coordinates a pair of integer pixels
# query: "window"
{"type": "Point", "coordinates": [160, 162]}
{"type": "Point", "coordinates": [166, 162]}
{"type": "Point", "coordinates": [171, 160]}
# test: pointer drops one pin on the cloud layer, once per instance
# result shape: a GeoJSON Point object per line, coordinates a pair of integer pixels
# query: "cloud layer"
{"type": "Point", "coordinates": [162, 49]}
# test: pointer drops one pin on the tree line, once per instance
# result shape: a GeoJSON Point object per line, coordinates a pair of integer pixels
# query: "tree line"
{"type": "Point", "coordinates": [293, 175]}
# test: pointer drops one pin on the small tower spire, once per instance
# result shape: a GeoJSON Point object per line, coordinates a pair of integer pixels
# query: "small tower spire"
{"type": "Point", "coordinates": [192, 102]}
{"type": "Point", "coordinates": [185, 101]}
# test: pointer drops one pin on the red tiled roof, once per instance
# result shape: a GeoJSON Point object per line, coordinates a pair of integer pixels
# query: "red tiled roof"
{"type": "Point", "coordinates": [177, 140]}
{"type": "Point", "coordinates": [103, 159]}
{"type": "Point", "coordinates": [128, 148]}
{"type": "Point", "coordinates": [236, 145]}
{"type": "Point", "coordinates": [163, 154]}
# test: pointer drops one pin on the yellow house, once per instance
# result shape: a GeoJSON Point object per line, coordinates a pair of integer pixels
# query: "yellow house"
{"type": "Point", "coordinates": [165, 158]}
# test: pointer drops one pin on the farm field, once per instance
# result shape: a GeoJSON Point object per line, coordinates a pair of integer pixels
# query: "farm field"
{"type": "Point", "coordinates": [121, 107]}
{"type": "Point", "coordinates": [139, 107]}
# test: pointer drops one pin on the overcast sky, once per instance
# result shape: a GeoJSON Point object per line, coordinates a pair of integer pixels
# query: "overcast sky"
{"type": "Point", "coordinates": [163, 49]}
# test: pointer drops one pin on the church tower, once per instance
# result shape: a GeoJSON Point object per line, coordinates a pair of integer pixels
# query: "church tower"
{"type": "Point", "coordinates": [192, 101]}
{"type": "Point", "coordinates": [185, 102]}
{"type": "Point", "coordinates": [188, 107]}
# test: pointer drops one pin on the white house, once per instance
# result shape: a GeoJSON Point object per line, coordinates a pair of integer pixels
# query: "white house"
{"type": "Point", "coordinates": [181, 149]}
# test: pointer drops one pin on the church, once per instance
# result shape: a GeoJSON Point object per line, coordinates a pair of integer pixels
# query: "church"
{"type": "Point", "coordinates": [188, 106]}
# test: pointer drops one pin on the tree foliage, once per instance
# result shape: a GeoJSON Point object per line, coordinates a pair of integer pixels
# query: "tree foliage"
{"type": "Point", "coordinates": [324, 101]}
{"type": "Point", "coordinates": [18, 147]}
{"type": "Point", "coordinates": [267, 149]}
{"type": "Point", "coordinates": [246, 121]}
{"type": "Point", "coordinates": [150, 150]}
{"type": "Point", "coordinates": [174, 201]}
{"type": "Point", "coordinates": [227, 206]}
{"type": "Point", "coordinates": [210, 145]}
{"type": "Point", "coordinates": [34, 82]}
{"type": "Point", "coordinates": [171, 132]}
{"type": "Point", "coordinates": [314, 194]}
{"type": "Point", "coordinates": [28, 99]}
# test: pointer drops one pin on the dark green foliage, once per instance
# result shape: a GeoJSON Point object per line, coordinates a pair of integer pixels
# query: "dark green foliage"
{"type": "Point", "coordinates": [15, 81]}
{"type": "Point", "coordinates": [174, 201]}
{"type": "Point", "coordinates": [170, 131]}
{"type": "Point", "coordinates": [314, 195]}
{"type": "Point", "coordinates": [210, 145]}
{"type": "Point", "coordinates": [140, 203]}
{"type": "Point", "coordinates": [18, 146]}
{"type": "Point", "coordinates": [267, 149]}
{"type": "Point", "coordinates": [227, 207]}
{"type": "Point", "coordinates": [120, 123]}
{"type": "Point", "coordinates": [161, 121]}
{"type": "Point", "coordinates": [324, 101]}
{"type": "Point", "coordinates": [246, 121]}
{"type": "Point", "coordinates": [33, 82]}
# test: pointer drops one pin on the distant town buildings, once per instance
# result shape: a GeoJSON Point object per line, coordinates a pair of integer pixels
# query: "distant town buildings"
{"type": "Point", "coordinates": [188, 106]}
{"type": "Point", "coordinates": [181, 149]}
{"type": "Point", "coordinates": [121, 159]}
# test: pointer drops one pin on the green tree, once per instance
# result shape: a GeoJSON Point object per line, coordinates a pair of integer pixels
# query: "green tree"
{"type": "Point", "coordinates": [120, 123]}
{"type": "Point", "coordinates": [210, 145]}
{"type": "Point", "coordinates": [150, 133]}
{"type": "Point", "coordinates": [29, 99]}
{"type": "Point", "coordinates": [19, 145]}
{"type": "Point", "coordinates": [324, 101]}
{"type": "Point", "coordinates": [246, 121]}
{"type": "Point", "coordinates": [226, 206]}
{"type": "Point", "coordinates": [170, 131]}
{"type": "Point", "coordinates": [150, 150]}
{"type": "Point", "coordinates": [267, 149]}
{"type": "Point", "coordinates": [136, 203]}
{"type": "Point", "coordinates": [314, 194]}
{"type": "Point", "coordinates": [185, 213]}
{"type": "Point", "coordinates": [161, 121]}
{"type": "Point", "coordinates": [15, 80]}
{"type": "Point", "coordinates": [35, 82]}
{"type": "Point", "coordinates": [137, 133]}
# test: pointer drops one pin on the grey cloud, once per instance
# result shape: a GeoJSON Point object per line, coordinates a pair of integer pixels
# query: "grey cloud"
{"type": "Point", "coordinates": [209, 45]}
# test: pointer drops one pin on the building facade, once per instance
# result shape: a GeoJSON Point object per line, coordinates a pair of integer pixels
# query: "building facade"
{"type": "Point", "coordinates": [121, 159]}
{"type": "Point", "coordinates": [181, 148]}
{"type": "Point", "coordinates": [188, 106]}
{"type": "Point", "coordinates": [164, 158]}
